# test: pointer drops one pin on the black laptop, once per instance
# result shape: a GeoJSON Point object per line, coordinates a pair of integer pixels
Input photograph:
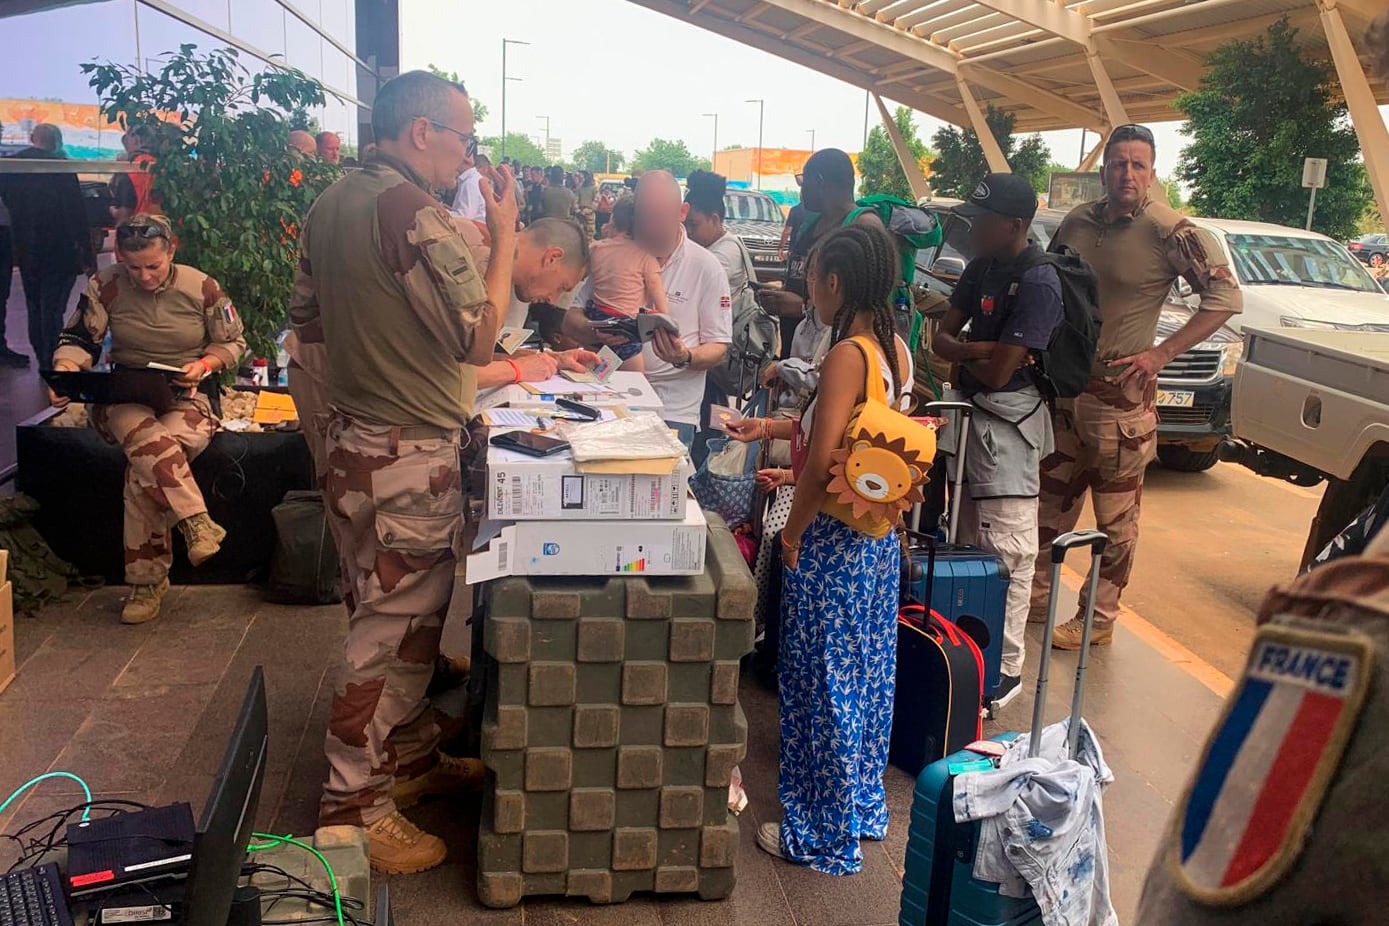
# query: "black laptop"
{"type": "Point", "coordinates": [136, 387]}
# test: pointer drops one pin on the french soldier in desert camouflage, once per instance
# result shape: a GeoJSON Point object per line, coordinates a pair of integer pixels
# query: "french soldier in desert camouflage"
{"type": "Point", "coordinates": [1106, 437]}
{"type": "Point", "coordinates": [156, 311]}
{"type": "Point", "coordinates": [391, 290]}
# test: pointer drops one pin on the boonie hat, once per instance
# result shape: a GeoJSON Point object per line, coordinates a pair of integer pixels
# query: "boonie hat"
{"type": "Point", "coordinates": [1008, 195]}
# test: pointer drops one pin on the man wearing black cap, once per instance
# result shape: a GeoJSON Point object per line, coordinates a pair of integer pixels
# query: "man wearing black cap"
{"type": "Point", "coordinates": [1011, 298]}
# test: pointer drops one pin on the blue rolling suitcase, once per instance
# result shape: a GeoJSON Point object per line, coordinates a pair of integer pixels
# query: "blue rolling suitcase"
{"type": "Point", "coordinates": [961, 582]}
{"type": "Point", "coordinates": [939, 888]}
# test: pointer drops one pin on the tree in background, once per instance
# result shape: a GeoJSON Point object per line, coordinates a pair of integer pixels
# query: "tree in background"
{"type": "Point", "coordinates": [225, 174]}
{"type": "Point", "coordinates": [673, 156]}
{"type": "Point", "coordinates": [878, 164]}
{"type": "Point", "coordinates": [520, 147]}
{"type": "Point", "coordinates": [1172, 186]}
{"type": "Point", "coordinates": [1264, 105]}
{"type": "Point", "coordinates": [479, 107]}
{"type": "Point", "coordinates": [961, 164]}
{"type": "Point", "coordinates": [597, 157]}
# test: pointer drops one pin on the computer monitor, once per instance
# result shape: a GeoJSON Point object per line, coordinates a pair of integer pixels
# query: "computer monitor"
{"type": "Point", "coordinates": [224, 832]}
{"type": "Point", "coordinates": [381, 915]}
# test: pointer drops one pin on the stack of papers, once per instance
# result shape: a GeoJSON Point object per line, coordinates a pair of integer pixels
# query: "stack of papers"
{"type": "Point", "coordinates": [530, 417]}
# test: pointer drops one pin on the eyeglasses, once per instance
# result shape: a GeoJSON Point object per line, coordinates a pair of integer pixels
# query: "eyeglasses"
{"type": "Point", "coordinates": [147, 232]}
{"type": "Point", "coordinates": [469, 140]}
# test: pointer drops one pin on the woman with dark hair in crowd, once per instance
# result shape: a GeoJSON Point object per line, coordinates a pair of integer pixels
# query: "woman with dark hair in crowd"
{"type": "Point", "coordinates": [705, 196]}
{"type": "Point", "coordinates": [837, 664]}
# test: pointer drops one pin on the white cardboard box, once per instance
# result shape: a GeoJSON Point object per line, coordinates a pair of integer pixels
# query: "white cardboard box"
{"type": "Point", "coordinates": [524, 488]}
{"type": "Point", "coordinates": [590, 548]}
{"type": "Point", "coordinates": [7, 655]}
{"type": "Point", "coordinates": [629, 390]}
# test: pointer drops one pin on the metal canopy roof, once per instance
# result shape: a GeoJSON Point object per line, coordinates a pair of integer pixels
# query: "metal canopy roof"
{"type": "Point", "coordinates": [1052, 64]}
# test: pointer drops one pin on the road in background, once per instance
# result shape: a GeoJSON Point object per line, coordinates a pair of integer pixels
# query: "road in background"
{"type": "Point", "coordinates": [1211, 545]}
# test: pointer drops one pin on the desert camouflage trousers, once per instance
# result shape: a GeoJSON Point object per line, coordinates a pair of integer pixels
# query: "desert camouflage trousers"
{"type": "Point", "coordinates": [585, 216]}
{"type": "Point", "coordinates": [1105, 439]}
{"type": "Point", "coordinates": [394, 497]}
{"type": "Point", "coordinates": [308, 389]}
{"type": "Point", "coordinates": [159, 487]}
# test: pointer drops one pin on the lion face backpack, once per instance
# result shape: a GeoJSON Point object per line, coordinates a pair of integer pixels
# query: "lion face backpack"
{"type": "Point", "coordinates": [879, 470]}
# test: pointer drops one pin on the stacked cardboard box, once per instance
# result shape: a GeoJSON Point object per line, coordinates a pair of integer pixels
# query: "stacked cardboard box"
{"type": "Point", "coordinates": [543, 516]}
{"type": "Point", "coordinates": [611, 729]}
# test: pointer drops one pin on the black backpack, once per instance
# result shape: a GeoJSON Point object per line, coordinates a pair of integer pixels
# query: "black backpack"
{"type": "Point", "coordinates": [304, 569]}
{"type": "Point", "coordinates": [1064, 368]}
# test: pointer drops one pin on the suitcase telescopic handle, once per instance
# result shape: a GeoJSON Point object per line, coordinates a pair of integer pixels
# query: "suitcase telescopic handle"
{"type": "Point", "coordinates": [1096, 541]}
{"type": "Point", "coordinates": [966, 409]}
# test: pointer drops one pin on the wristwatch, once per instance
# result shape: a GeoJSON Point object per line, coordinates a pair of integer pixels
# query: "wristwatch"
{"type": "Point", "coordinates": [682, 364]}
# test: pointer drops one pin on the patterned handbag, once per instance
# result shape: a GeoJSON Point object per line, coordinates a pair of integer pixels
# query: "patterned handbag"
{"type": "Point", "coordinates": [726, 482]}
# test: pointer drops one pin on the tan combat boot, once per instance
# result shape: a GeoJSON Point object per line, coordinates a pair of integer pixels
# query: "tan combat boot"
{"type": "Point", "coordinates": [204, 537]}
{"type": "Point", "coordinates": [399, 847]}
{"type": "Point", "coordinates": [449, 776]}
{"type": "Point", "coordinates": [1067, 636]}
{"type": "Point", "coordinates": [143, 603]}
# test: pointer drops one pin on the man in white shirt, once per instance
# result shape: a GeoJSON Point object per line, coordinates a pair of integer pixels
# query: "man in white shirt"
{"type": "Point", "coordinates": [467, 202]}
{"type": "Point", "coordinates": [697, 290]}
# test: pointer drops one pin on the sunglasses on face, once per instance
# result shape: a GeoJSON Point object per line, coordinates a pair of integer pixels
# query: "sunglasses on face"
{"type": "Point", "coordinates": [146, 232]}
{"type": "Point", "coordinates": [469, 140]}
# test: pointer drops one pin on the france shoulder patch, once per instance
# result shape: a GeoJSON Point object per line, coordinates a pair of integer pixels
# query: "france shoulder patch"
{"type": "Point", "coordinates": [1268, 763]}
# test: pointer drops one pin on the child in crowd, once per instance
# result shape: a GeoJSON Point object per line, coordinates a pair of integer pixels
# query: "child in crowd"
{"type": "Point", "coordinates": [625, 280]}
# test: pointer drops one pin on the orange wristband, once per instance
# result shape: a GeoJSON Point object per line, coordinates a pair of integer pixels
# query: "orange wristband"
{"type": "Point", "coordinates": [515, 370]}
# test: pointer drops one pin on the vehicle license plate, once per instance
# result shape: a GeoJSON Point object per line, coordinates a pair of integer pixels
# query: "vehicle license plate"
{"type": "Point", "coordinates": [764, 258]}
{"type": "Point", "coordinates": [1176, 399]}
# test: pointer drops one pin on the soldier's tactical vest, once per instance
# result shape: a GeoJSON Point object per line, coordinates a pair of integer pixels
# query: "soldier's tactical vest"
{"type": "Point", "coordinates": [1285, 820]}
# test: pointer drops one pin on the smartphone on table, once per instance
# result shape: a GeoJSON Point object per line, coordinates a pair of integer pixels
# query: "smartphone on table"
{"type": "Point", "coordinates": [533, 445]}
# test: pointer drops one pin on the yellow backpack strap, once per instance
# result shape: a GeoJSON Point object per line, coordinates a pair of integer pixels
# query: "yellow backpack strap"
{"type": "Point", "coordinates": [873, 389]}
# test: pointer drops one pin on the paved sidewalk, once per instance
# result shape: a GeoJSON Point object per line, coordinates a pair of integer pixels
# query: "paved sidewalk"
{"type": "Point", "coordinates": [143, 713]}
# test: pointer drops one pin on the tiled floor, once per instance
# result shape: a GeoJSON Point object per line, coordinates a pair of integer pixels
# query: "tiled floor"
{"type": "Point", "coordinates": [144, 712]}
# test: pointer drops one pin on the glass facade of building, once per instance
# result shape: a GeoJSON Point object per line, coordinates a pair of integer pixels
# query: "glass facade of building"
{"type": "Point", "coordinates": [41, 54]}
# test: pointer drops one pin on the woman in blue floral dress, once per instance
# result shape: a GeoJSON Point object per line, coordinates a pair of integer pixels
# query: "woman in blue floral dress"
{"type": "Point", "coordinates": [838, 657]}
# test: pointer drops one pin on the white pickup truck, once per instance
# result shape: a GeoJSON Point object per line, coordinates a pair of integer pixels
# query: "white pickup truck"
{"type": "Point", "coordinates": [1311, 405]}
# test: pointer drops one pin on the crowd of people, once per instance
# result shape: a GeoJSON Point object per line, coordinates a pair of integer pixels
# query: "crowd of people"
{"type": "Point", "coordinates": [400, 297]}
{"type": "Point", "coordinates": [394, 322]}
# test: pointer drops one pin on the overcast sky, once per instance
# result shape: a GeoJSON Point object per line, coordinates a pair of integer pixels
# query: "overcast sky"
{"type": "Point", "coordinates": [612, 71]}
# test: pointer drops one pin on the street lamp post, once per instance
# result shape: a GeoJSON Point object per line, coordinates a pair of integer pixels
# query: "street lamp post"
{"type": "Point", "coordinates": [715, 117]}
{"type": "Point", "coordinates": [761, 111]}
{"type": "Point", "coordinates": [505, 43]}
{"type": "Point", "coordinates": [547, 134]}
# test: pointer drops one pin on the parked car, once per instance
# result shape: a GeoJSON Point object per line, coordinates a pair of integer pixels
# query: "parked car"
{"type": "Point", "coordinates": [757, 219]}
{"type": "Point", "coordinates": [1371, 249]}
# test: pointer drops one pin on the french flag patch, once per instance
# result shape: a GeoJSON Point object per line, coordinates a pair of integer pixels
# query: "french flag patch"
{"type": "Point", "coordinates": [1269, 762]}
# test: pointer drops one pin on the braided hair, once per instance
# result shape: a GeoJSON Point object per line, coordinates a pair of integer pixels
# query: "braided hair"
{"type": "Point", "coordinates": [864, 259]}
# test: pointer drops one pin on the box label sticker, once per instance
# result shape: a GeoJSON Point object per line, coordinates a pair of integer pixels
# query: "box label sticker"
{"type": "Point", "coordinates": [572, 493]}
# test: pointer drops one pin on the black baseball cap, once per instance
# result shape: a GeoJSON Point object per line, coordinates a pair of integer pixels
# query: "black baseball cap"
{"type": "Point", "coordinates": [1008, 195]}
